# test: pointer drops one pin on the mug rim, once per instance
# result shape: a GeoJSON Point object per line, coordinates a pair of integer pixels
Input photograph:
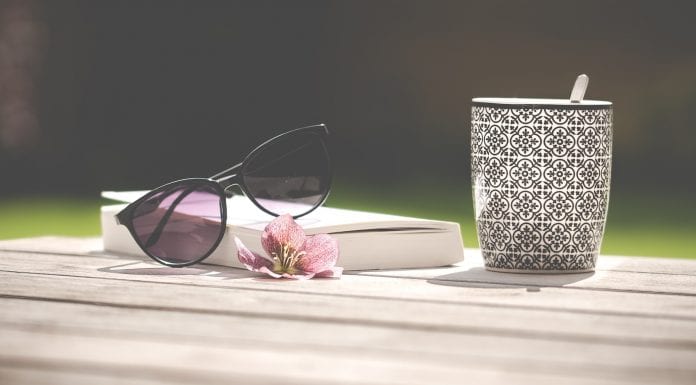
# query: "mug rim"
{"type": "Point", "coordinates": [540, 103]}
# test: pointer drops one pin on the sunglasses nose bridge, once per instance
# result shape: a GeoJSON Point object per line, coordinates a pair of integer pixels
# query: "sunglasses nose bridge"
{"type": "Point", "coordinates": [233, 189]}
{"type": "Point", "coordinates": [229, 184]}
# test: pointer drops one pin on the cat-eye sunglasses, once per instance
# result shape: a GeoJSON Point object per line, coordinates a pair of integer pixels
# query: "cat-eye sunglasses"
{"type": "Point", "coordinates": [182, 222]}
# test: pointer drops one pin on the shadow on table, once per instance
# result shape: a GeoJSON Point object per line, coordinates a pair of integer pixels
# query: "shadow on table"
{"type": "Point", "coordinates": [481, 278]}
{"type": "Point", "coordinates": [147, 268]}
{"type": "Point", "coordinates": [141, 265]}
{"type": "Point", "coordinates": [153, 269]}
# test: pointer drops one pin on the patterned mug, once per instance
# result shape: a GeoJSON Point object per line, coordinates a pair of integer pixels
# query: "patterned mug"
{"type": "Point", "coordinates": [540, 173]}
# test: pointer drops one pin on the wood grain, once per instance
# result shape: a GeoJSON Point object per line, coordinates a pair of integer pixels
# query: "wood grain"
{"type": "Point", "coordinates": [72, 315]}
{"type": "Point", "coordinates": [485, 288]}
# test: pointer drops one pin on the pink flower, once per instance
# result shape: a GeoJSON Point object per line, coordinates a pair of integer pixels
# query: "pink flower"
{"type": "Point", "coordinates": [292, 254]}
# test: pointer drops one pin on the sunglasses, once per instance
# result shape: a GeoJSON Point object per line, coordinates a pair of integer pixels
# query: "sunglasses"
{"type": "Point", "coordinates": [183, 222]}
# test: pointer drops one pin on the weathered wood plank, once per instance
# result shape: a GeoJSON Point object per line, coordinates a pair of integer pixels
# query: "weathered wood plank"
{"type": "Point", "coordinates": [55, 245]}
{"type": "Point", "coordinates": [481, 293]}
{"type": "Point", "coordinates": [306, 364]}
{"type": "Point", "coordinates": [569, 358]}
{"type": "Point", "coordinates": [390, 312]}
{"type": "Point", "coordinates": [37, 372]}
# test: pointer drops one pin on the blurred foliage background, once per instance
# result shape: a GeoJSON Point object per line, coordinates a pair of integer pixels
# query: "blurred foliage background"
{"type": "Point", "coordinates": [111, 95]}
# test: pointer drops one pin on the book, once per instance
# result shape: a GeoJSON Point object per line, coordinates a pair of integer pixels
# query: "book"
{"type": "Point", "coordinates": [366, 240]}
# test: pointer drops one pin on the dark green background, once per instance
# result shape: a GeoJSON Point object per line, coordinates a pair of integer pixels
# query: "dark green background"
{"type": "Point", "coordinates": [129, 95]}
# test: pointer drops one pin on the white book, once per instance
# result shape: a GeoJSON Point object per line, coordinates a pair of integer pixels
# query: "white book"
{"type": "Point", "coordinates": [366, 240]}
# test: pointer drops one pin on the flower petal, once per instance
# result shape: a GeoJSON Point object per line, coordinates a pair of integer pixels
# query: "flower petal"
{"type": "Point", "coordinates": [334, 272]}
{"type": "Point", "coordinates": [282, 231]}
{"type": "Point", "coordinates": [268, 271]}
{"type": "Point", "coordinates": [321, 254]}
{"type": "Point", "coordinates": [300, 277]}
{"type": "Point", "coordinates": [251, 260]}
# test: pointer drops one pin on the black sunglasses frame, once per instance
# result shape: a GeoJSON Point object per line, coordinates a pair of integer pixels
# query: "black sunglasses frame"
{"type": "Point", "coordinates": [221, 183]}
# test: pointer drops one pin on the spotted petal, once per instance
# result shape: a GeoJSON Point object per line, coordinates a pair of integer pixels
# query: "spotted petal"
{"type": "Point", "coordinates": [321, 254]}
{"type": "Point", "coordinates": [282, 231]}
{"type": "Point", "coordinates": [251, 260]}
{"type": "Point", "coordinates": [334, 272]}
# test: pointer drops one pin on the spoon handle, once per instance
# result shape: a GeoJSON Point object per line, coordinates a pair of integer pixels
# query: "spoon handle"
{"type": "Point", "coordinates": [578, 92]}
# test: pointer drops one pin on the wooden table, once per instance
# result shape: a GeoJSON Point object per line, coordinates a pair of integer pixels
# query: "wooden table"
{"type": "Point", "coordinates": [73, 315]}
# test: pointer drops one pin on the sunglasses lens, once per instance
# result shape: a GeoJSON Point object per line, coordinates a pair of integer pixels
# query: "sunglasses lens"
{"type": "Point", "coordinates": [180, 225]}
{"type": "Point", "coordinates": [289, 176]}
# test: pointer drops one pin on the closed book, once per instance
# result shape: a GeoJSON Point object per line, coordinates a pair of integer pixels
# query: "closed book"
{"type": "Point", "coordinates": [366, 240]}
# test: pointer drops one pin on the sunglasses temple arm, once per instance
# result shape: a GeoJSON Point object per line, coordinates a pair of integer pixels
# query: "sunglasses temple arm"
{"type": "Point", "coordinates": [154, 237]}
{"type": "Point", "coordinates": [226, 171]}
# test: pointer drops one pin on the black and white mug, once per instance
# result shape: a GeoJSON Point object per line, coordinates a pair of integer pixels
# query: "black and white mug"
{"type": "Point", "coordinates": [541, 170]}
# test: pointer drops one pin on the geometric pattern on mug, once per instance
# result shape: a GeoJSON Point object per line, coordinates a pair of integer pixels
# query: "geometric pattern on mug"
{"type": "Point", "coordinates": [541, 185]}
